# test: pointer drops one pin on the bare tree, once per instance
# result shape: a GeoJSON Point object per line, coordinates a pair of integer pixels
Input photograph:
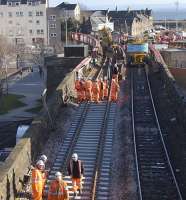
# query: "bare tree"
{"type": "Point", "coordinates": [6, 50]}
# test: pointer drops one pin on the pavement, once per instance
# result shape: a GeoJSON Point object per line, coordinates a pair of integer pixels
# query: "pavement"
{"type": "Point", "coordinates": [31, 85]}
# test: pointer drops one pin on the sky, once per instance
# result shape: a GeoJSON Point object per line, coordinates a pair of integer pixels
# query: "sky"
{"type": "Point", "coordinates": [121, 4]}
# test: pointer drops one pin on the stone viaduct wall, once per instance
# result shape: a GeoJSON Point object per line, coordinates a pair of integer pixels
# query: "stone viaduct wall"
{"type": "Point", "coordinates": [29, 147]}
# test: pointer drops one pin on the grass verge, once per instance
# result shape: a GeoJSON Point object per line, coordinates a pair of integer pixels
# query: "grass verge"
{"type": "Point", "coordinates": [10, 102]}
{"type": "Point", "coordinates": [37, 108]}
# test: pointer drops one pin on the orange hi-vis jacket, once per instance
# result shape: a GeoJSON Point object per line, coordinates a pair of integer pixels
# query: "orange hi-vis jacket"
{"type": "Point", "coordinates": [37, 184]}
{"type": "Point", "coordinates": [105, 88]}
{"type": "Point", "coordinates": [88, 85]}
{"type": "Point", "coordinates": [58, 191]}
{"type": "Point", "coordinates": [77, 85]}
{"type": "Point", "coordinates": [95, 88]}
{"type": "Point", "coordinates": [114, 86]}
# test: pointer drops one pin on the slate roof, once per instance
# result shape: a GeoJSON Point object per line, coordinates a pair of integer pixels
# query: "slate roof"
{"type": "Point", "coordinates": [67, 6]}
{"type": "Point", "coordinates": [4, 2]}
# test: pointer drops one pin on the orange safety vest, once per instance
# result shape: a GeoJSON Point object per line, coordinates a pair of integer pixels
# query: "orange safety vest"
{"type": "Point", "coordinates": [114, 86]}
{"type": "Point", "coordinates": [95, 88]}
{"type": "Point", "coordinates": [58, 191]}
{"type": "Point", "coordinates": [88, 85]}
{"type": "Point", "coordinates": [77, 85]}
{"type": "Point", "coordinates": [37, 184]}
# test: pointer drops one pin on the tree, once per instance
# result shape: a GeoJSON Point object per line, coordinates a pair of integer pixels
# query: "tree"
{"type": "Point", "coordinates": [6, 50]}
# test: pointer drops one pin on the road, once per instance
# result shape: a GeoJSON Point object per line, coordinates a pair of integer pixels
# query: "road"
{"type": "Point", "coordinates": [31, 85]}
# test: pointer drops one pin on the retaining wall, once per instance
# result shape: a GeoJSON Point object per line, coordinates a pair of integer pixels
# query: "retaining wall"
{"type": "Point", "coordinates": [18, 162]}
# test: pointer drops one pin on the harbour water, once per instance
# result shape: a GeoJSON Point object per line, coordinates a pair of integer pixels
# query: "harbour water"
{"type": "Point", "coordinates": [169, 14]}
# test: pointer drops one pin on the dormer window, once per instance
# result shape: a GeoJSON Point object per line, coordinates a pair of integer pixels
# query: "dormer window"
{"type": "Point", "coordinates": [9, 3]}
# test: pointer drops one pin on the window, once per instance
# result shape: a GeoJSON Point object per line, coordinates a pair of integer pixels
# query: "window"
{"type": "Point", "coordinates": [52, 17]}
{"type": "Point", "coordinates": [29, 3]}
{"type": "Point", "coordinates": [52, 25]}
{"type": "Point", "coordinates": [19, 14]}
{"type": "Point", "coordinates": [39, 13]}
{"type": "Point", "coordinates": [17, 3]}
{"type": "Point", "coordinates": [10, 14]}
{"type": "Point", "coordinates": [38, 31]}
{"type": "Point", "coordinates": [30, 31]}
{"type": "Point", "coordinates": [9, 3]}
{"type": "Point", "coordinates": [37, 22]}
{"type": "Point", "coordinates": [30, 13]}
{"type": "Point", "coordinates": [30, 21]}
{"type": "Point", "coordinates": [53, 34]}
{"type": "Point", "coordinates": [1, 14]}
{"type": "Point", "coordinates": [10, 22]}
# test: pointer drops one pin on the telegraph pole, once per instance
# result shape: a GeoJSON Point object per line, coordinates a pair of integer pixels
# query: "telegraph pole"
{"type": "Point", "coordinates": [177, 7]}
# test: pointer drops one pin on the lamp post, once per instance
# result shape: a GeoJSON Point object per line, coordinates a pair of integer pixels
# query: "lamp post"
{"type": "Point", "coordinates": [46, 107]}
{"type": "Point", "coordinates": [66, 27]}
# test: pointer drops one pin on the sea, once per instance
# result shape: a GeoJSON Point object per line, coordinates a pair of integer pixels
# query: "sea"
{"type": "Point", "coordinates": [169, 14]}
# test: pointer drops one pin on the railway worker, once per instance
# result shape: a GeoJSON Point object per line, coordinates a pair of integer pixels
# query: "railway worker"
{"type": "Point", "coordinates": [88, 89]}
{"type": "Point", "coordinates": [95, 91]}
{"type": "Point", "coordinates": [105, 88]}
{"type": "Point", "coordinates": [37, 180]}
{"type": "Point", "coordinates": [78, 90]}
{"type": "Point", "coordinates": [44, 172]}
{"type": "Point", "coordinates": [76, 171]}
{"type": "Point", "coordinates": [100, 89]}
{"type": "Point", "coordinates": [115, 72]}
{"type": "Point", "coordinates": [58, 189]}
{"type": "Point", "coordinates": [114, 90]}
{"type": "Point", "coordinates": [82, 90]}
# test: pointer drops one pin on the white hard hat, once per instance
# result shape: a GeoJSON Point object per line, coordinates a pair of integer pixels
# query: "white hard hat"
{"type": "Point", "coordinates": [74, 156]}
{"type": "Point", "coordinates": [105, 78]}
{"type": "Point", "coordinates": [40, 163]}
{"type": "Point", "coordinates": [43, 158]}
{"type": "Point", "coordinates": [57, 174]}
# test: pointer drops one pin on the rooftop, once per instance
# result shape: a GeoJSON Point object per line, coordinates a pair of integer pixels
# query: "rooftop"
{"type": "Point", "coordinates": [4, 2]}
{"type": "Point", "coordinates": [67, 6]}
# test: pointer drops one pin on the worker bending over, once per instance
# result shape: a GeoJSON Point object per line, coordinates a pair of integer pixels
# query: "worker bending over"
{"type": "Point", "coordinates": [76, 171]}
{"type": "Point", "coordinates": [58, 189]}
{"type": "Point", "coordinates": [105, 88]}
{"type": "Point", "coordinates": [95, 91]}
{"type": "Point", "coordinates": [88, 89]}
{"type": "Point", "coordinates": [100, 89]}
{"type": "Point", "coordinates": [38, 180]}
{"type": "Point", "coordinates": [114, 90]}
{"type": "Point", "coordinates": [80, 88]}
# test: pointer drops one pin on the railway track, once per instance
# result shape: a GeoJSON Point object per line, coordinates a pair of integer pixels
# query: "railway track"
{"type": "Point", "coordinates": [90, 136]}
{"type": "Point", "coordinates": [156, 179]}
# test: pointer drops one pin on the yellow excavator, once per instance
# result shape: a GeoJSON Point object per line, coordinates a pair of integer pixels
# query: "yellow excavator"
{"type": "Point", "coordinates": [105, 37]}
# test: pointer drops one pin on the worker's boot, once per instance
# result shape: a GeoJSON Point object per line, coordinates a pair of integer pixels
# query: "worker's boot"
{"type": "Point", "coordinates": [80, 191]}
{"type": "Point", "coordinates": [75, 194]}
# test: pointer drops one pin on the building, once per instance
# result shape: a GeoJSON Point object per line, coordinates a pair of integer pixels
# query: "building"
{"type": "Point", "coordinates": [133, 22]}
{"type": "Point", "coordinates": [24, 21]}
{"type": "Point", "coordinates": [99, 20]}
{"type": "Point", "coordinates": [70, 10]}
{"type": "Point", "coordinates": [54, 28]}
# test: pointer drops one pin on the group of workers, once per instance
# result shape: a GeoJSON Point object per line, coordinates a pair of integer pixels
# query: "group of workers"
{"type": "Point", "coordinates": [98, 90]}
{"type": "Point", "coordinates": [58, 189]}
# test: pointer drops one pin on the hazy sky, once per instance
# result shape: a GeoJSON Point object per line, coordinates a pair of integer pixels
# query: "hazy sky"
{"type": "Point", "coordinates": [104, 4]}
